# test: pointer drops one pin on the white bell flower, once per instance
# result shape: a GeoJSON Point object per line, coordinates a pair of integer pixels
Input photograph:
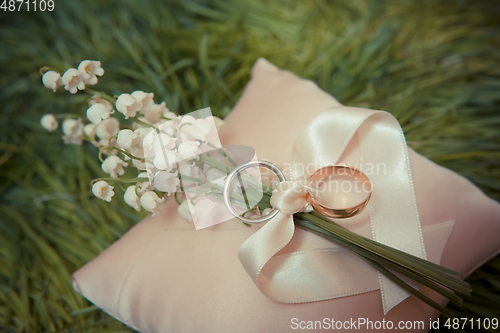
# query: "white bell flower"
{"type": "Point", "coordinates": [160, 147]}
{"type": "Point", "coordinates": [131, 198]}
{"type": "Point", "coordinates": [73, 80]}
{"type": "Point", "coordinates": [103, 190]}
{"type": "Point", "coordinates": [184, 211]}
{"type": "Point", "coordinates": [52, 80]}
{"type": "Point", "coordinates": [170, 127]}
{"type": "Point", "coordinates": [204, 210]}
{"type": "Point", "coordinates": [162, 141]}
{"type": "Point", "coordinates": [89, 70]}
{"type": "Point", "coordinates": [164, 159]}
{"type": "Point", "coordinates": [151, 202]}
{"type": "Point", "coordinates": [111, 142]}
{"type": "Point", "coordinates": [113, 165]}
{"type": "Point", "coordinates": [97, 113]}
{"type": "Point", "coordinates": [73, 131]}
{"type": "Point", "coordinates": [127, 139]}
{"type": "Point", "coordinates": [195, 129]}
{"type": "Point", "coordinates": [49, 122]}
{"type": "Point", "coordinates": [142, 134]}
{"type": "Point", "coordinates": [213, 124]}
{"type": "Point", "coordinates": [169, 114]}
{"type": "Point", "coordinates": [98, 100]}
{"type": "Point", "coordinates": [89, 130]}
{"type": "Point", "coordinates": [154, 113]}
{"type": "Point", "coordinates": [128, 105]}
{"type": "Point", "coordinates": [185, 128]}
{"type": "Point", "coordinates": [216, 176]}
{"type": "Point", "coordinates": [139, 165]}
{"type": "Point", "coordinates": [108, 128]}
{"type": "Point", "coordinates": [146, 99]}
{"type": "Point", "coordinates": [188, 150]}
{"type": "Point", "coordinates": [146, 185]}
{"type": "Point", "coordinates": [190, 170]}
{"type": "Point", "coordinates": [166, 181]}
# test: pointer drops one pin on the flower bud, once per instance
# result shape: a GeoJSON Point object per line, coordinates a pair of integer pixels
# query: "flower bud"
{"type": "Point", "coordinates": [184, 211]}
{"type": "Point", "coordinates": [127, 139]}
{"type": "Point", "coordinates": [146, 99]}
{"type": "Point", "coordinates": [97, 113]}
{"type": "Point", "coordinates": [98, 100]}
{"type": "Point", "coordinates": [89, 130]}
{"type": "Point", "coordinates": [113, 165]}
{"type": "Point", "coordinates": [131, 198]}
{"type": "Point", "coordinates": [49, 122]}
{"type": "Point", "coordinates": [108, 128]}
{"type": "Point", "coordinates": [128, 105]}
{"type": "Point", "coordinates": [151, 202]}
{"type": "Point", "coordinates": [73, 131]}
{"type": "Point", "coordinates": [52, 80]}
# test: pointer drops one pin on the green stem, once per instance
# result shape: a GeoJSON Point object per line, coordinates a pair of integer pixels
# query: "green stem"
{"type": "Point", "coordinates": [66, 115]}
{"type": "Point", "coordinates": [386, 263]}
{"type": "Point", "coordinates": [121, 151]}
{"type": "Point", "coordinates": [142, 123]}
{"type": "Point", "coordinates": [101, 94]}
{"type": "Point", "coordinates": [177, 199]}
{"type": "Point", "coordinates": [179, 130]}
{"type": "Point", "coordinates": [44, 69]}
{"type": "Point", "coordinates": [119, 180]}
{"type": "Point", "coordinates": [193, 179]}
{"type": "Point", "coordinates": [384, 250]}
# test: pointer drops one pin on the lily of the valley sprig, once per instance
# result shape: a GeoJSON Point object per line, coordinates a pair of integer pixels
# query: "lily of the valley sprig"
{"type": "Point", "coordinates": [121, 145]}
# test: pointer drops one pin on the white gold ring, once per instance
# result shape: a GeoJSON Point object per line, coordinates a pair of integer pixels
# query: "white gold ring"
{"type": "Point", "coordinates": [230, 178]}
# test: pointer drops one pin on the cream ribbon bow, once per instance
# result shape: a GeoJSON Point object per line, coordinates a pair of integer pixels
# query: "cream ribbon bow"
{"type": "Point", "coordinates": [289, 197]}
{"type": "Point", "coordinates": [322, 274]}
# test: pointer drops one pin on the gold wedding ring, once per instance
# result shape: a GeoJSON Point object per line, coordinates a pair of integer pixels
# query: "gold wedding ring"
{"type": "Point", "coordinates": [343, 170]}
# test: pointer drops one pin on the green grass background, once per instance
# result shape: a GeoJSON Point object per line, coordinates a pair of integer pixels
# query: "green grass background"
{"type": "Point", "coordinates": [433, 64]}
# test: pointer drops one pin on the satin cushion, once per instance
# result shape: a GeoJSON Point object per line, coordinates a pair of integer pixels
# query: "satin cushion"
{"type": "Point", "coordinates": [164, 276]}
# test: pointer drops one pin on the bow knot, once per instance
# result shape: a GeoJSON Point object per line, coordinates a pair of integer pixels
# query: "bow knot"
{"type": "Point", "coordinates": [290, 197]}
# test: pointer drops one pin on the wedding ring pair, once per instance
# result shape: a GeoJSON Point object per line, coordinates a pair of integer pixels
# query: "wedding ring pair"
{"type": "Point", "coordinates": [318, 175]}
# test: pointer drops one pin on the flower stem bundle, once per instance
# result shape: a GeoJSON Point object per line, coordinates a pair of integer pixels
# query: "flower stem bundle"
{"type": "Point", "coordinates": [388, 260]}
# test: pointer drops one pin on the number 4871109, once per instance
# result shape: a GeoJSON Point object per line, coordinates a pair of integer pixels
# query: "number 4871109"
{"type": "Point", "coordinates": [27, 5]}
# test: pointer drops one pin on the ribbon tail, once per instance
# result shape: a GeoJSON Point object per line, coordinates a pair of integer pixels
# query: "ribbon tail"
{"type": "Point", "coordinates": [393, 211]}
{"type": "Point", "coordinates": [257, 250]}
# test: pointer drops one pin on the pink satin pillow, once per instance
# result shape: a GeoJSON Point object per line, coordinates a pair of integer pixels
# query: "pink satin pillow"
{"type": "Point", "coordinates": [163, 276]}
